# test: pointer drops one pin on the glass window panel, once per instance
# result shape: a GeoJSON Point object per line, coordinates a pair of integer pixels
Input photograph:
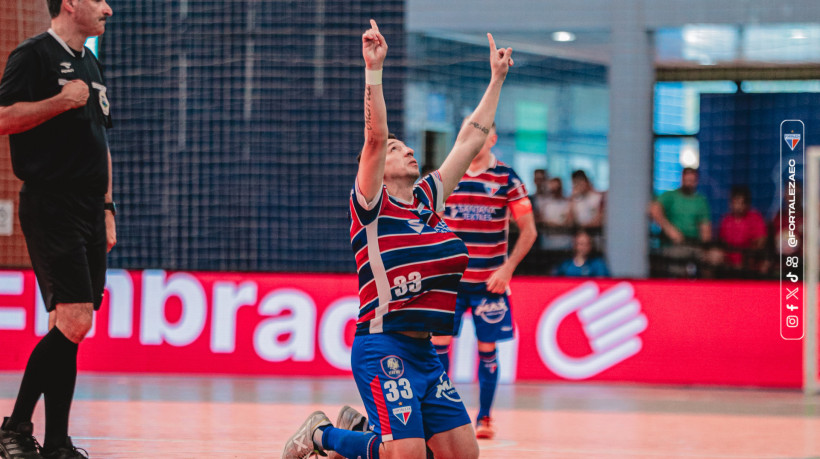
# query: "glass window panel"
{"type": "Point", "coordinates": [677, 104]}
{"type": "Point", "coordinates": [670, 155]}
{"type": "Point", "coordinates": [782, 43]}
{"type": "Point", "coordinates": [705, 44]}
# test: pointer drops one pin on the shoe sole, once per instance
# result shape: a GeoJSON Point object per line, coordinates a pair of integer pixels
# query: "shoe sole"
{"type": "Point", "coordinates": [485, 435]}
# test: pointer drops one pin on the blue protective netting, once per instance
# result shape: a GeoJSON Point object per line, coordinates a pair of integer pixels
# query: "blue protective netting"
{"type": "Point", "coordinates": [237, 124]}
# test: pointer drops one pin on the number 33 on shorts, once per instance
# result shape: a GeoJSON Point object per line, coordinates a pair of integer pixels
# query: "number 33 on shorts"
{"type": "Point", "coordinates": [393, 389]}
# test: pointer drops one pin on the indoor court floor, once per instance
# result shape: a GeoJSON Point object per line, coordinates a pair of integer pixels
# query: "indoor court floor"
{"type": "Point", "coordinates": [125, 416]}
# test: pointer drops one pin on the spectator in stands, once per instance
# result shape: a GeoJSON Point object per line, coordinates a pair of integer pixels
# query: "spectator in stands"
{"type": "Point", "coordinates": [742, 230]}
{"type": "Point", "coordinates": [554, 208]}
{"type": "Point", "coordinates": [539, 178]}
{"type": "Point", "coordinates": [683, 216]}
{"type": "Point", "coordinates": [587, 205]}
{"type": "Point", "coordinates": [555, 217]}
{"type": "Point", "coordinates": [583, 263]}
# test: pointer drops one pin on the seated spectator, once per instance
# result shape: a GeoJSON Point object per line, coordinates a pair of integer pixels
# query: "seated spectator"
{"type": "Point", "coordinates": [555, 218]}
{"type": "Point", "coordinates": [586, 204]}
{"type": "Point", "coordinates": [742, 230]}
{"type": "Point", "coordinates": [683, 216]}
{"type": "Point", "coordinates": [539, 178]}
{"type": "Point", "coordinates": [582, 263]}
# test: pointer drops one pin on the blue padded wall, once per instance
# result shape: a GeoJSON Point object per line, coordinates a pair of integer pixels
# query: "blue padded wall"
{"type": "Point", "coordinates": [740, 144]}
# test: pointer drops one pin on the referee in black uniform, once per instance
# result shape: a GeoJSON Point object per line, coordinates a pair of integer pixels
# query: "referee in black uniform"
{"type": "Point", "coordinates": [54, 105]}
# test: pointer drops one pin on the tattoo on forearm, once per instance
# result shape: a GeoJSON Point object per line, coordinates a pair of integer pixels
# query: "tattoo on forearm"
{"type": "Point", "coordinates": [367, 124]}
{"type": "Point", "coordinates": [479, 127]}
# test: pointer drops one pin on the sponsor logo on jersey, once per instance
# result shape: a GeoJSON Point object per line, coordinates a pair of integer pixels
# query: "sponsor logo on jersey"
{"type": "Point", "coordinates": [442, 227]}
{"type": "Point", "coordinates": [492, 311]}
{"type": "Point", "coordinates": [66, 67]}
{"type": "Point", "coordinates": [403, 413]}
{"type": "Point", "coordinates": [445, 389]}
{"type": "Point", "coordinates": [416, 225]}
{"type": "Point", "coordinates": [392, 366]}
{"type": "Point", "coordinates": [472, 212]}
{"type": "Point", "coordinates": [792, 140]}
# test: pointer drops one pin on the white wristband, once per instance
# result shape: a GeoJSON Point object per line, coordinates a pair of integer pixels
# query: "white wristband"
{"type": "Point", "coordinates": [372, 77]}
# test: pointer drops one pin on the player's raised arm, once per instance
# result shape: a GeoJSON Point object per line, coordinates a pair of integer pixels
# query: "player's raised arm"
{"type": "Point", "coordinates": [371, 163]}
{"type": "Point", "coordinates": [475, 129]}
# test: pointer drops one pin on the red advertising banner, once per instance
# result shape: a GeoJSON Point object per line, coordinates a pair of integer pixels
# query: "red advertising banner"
{"type": "Point", "coordinates": [658, 332]}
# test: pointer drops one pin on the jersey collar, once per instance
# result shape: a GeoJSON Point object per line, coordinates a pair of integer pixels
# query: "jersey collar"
{"type": "Point", "coordinates": [64, 44]}
{"type": "Point", "coordinates": [493, 163]}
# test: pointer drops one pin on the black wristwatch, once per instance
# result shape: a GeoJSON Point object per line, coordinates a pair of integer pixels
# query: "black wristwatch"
{"type": "Point", "coordinates": [111, 207]}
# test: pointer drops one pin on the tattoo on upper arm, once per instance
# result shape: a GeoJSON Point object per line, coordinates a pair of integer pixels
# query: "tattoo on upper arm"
{"type": "Point", "coordinates": [367, 123]}
{"type": "Point", "coordinates": [479, 127]}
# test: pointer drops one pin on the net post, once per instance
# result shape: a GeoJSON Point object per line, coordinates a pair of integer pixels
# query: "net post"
{"type": "Point", "coordinates": [810, 233]}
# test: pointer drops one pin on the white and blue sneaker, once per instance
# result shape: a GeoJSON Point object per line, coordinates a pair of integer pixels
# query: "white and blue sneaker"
{"type": "Point", "coordinates": [300, 445]}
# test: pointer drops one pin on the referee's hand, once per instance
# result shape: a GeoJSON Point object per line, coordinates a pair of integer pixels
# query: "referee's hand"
{"type": "Point", "coordinates": [75, 94]}
{"type": "Point", "coordinates": [110, 231]}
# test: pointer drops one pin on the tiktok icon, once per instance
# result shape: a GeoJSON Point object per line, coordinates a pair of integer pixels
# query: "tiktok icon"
{"type": "Point", "coordinates": [611, 321]}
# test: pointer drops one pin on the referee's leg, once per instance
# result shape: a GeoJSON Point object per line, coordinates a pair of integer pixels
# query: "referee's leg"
{"type": "Point", "coordinates": [52, 372]}
{"type": "Point", "coordinates": [67, 249]}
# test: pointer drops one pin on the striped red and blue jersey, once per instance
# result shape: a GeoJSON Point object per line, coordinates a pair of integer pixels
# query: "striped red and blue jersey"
{"type": "Point", "coordinates": [409, 262]}
{"type": "Point", "coordinates": [478, 211]}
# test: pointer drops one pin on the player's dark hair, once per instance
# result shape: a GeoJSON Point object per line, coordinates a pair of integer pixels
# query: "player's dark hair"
{"type": "Point", "coordinates": [390, 135]}
{"type": "Point", "coordinates": [54, 7]}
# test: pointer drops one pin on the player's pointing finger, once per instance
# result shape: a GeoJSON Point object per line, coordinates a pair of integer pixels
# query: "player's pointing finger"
{"type": "Point", "coordinates": [374, 25]}
{"type": "Point", "coordinates": [492, 42]}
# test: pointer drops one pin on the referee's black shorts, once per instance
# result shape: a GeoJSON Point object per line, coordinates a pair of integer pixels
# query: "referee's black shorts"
{"type": "Point", "coordinates": [65, 234]}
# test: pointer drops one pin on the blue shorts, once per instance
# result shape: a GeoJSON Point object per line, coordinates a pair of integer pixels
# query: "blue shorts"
{"type": "Point", "coordinates": [492, 315]}
{"type": "Point", "coordinates": [405, 390]}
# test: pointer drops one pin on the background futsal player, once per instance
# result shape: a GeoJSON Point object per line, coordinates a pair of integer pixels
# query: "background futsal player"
{"type": "Point", "coordinates": [479, 211]}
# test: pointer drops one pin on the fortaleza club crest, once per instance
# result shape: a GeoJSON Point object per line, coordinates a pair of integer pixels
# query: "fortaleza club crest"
{"type": "Point", "coordinates": [792, 140]}
{"type": "Point", "coordinates": [392, 366]}
{"type": "Point", "coordinates": [403, 413]}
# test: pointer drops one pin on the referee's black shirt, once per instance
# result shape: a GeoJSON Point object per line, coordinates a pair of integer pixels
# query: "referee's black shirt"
{"type": "Point", "coordinates": [68, 153]}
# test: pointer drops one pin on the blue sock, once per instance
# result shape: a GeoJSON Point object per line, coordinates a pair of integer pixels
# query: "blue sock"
{"type": "Point", "coordinates": [487, 381]}
{"type": "Point", "coordinates": [443, 351]}
{"type": "Point", "coordinates": [351, 444]}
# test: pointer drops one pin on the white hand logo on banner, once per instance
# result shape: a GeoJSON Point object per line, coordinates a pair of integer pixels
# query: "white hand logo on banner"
{"type": "Point", "coordinates": [611, 321]}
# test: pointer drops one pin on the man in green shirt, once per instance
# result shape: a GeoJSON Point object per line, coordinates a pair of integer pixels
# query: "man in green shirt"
{"type": "Point", "coordinates": [684, 217]}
